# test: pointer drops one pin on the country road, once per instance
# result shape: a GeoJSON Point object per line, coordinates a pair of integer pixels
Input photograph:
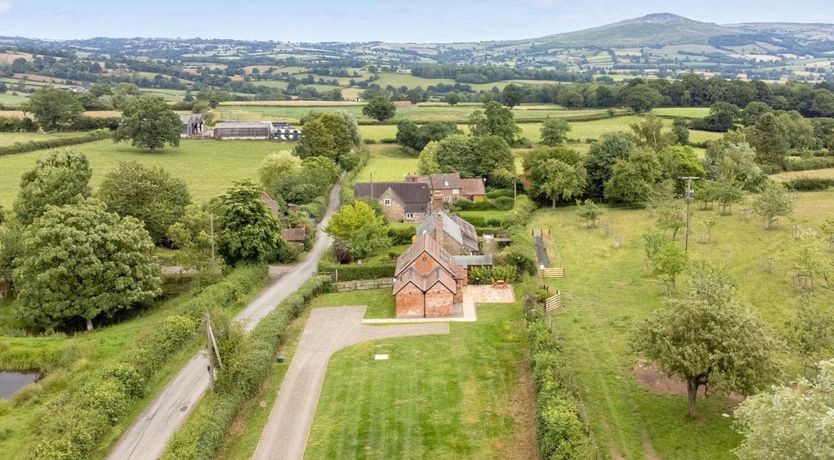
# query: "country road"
{"type": "Point", "coordinates": [150, 432]}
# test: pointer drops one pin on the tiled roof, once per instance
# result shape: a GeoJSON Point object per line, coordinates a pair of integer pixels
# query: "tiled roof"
{"type": "Point", "coordinates": [425, 243]}
{"type": "Point", "coordinates": [414, 195]}
{"type": "Point", "coordinates": [472, 187]}
{"type": "Point", "coordinates": [424, 282]}
{"type": "Point", "coordinates": [445, 181]}
{"type": "Point", "coordinates": [295, 235]}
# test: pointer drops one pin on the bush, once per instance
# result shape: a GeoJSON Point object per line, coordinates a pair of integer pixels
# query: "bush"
{"type": "Point", "coordinates": [805, 164]}
{"type": "Point", "coordinates": [810, 184]}
{"type": "Point", "coordinates": [489, 275]}
{"type": "Point", "coordinates": [155, 349]}
{"type": "Point", "coordinates": [503, 203]}
{"type": "Point", "coordinates": [205, 430]}
{"type": "Point", "coordinates": [359, 272]}
{"type": "Point", "coordinates": [401, 235]}
{"type": "Point", "coordinates": [23, 147]}
{"type": "Point", "coordinates": [16, 125]}
{"type": "Point", "coordinates": [500, 192]}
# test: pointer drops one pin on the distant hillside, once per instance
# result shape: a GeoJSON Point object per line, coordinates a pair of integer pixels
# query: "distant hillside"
{"type": "Point", "coordinates": [653, 30]}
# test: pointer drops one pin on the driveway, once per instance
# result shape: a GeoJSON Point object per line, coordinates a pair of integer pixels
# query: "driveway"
{"type": "Point", "coordinates": [150, 432]}
{"type": "Point", "coordinates": [328, 330]}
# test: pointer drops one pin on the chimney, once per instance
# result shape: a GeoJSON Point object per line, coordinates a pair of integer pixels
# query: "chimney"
{"type": "Point", "coordinates": [411, 177]}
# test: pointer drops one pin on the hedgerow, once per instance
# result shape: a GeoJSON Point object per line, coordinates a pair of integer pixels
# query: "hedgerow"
{"type": "Point", "coordinates": [30, 146]}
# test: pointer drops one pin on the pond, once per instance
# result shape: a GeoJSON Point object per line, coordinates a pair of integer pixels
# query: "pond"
{"type": "Point", "coordinates": [12, 382]}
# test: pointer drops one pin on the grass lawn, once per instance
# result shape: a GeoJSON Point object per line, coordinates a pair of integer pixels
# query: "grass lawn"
{"type": "Point", "coordinates": [487, 214]}
{"type": "Point", "coordinates": [380, 302]}
{"type": "Point", "coordinates": [388, 163]}
{"type": "Point", "coordinates": [608, 291]}
{"type": "Point", "coordinates": [208, 167]}
{"type": "Point", "coordinates": [463, 395]}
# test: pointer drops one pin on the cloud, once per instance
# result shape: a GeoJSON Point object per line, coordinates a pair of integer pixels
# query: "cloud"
{"type": "Point", "coordinates": [5, 6]}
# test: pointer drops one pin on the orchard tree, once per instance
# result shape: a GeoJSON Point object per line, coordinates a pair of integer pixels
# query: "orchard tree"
{"type": "Point", "coordinates": [727, 192]}
{"type": "Point", "coordinates": [709, 338]}
{"type": "Point", "coordinates": [669, 262]}
{"type": "Point", "coordinates": [81, 261]}
{"type": "Point", "coordinates": [249, 232]}
{"type": "Point", "coordinates": [151, 195]}
{"type": "Point", "coordinates": [361, 230]}
{"type": "Point", "coordinates": [54, 109]}
{"type": "Point", "coordinates": [589, 211]}
{"type": "Point", "coordinates": [379, 108]}
{"type": "Point", "coordinates": [60, 178]}
{"type": "Point", "coordinates": [554, 131]}
{"type": "Point", "coordinates": [772, 203]}
{"type": "Point", "coordinates": [811, 333]}
{"type": "Point", "coordinates": [494, 120]}
{"type": "Point", "coordinates": [149, 123]}
{"type": "Point", "coordinates": [789, 421]}
{"type": "Point", "coordinates": [770, 139]}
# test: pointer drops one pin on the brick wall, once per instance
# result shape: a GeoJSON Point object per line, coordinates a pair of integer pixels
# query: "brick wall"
{"type": "Point", "coordinates": [439, 302]}
{"type": "Point", "coordinates": [409, 302]}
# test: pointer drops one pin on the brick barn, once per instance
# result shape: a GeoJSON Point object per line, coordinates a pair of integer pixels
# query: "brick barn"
{"type": "Point", "coordinates": [427, 281]}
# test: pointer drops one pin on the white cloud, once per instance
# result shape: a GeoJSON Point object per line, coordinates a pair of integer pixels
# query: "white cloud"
{"type": "Point", "coordinates": [5, 6]}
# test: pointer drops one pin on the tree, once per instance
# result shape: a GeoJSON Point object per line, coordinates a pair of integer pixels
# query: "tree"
{"type": "Point", "coordinates": [753, 111]}
{"type": "Point", "coordinates": [81, 261]}
{"type": "Point", "coordinates": [151, 195]}
{"type": "Point", "coordinates": [678, 161]}
{"type": "Point", "coordinates": [554, 131]}
{"type": "Point", "coordinates": [727, 192]}
{"type": "Point", "coordinates": [811, 333]}
{"type": "Point", "coordinates": [485, 156]}
{"type": "Point", "coordinates": [601, 159]}
{"type": "Point", "coordinates": [680, 131]}
{"type": "Point", "coordinates": [315, 178]}
{"type": "Point", "coordinates": [149, 124]}
{"type": "Point", "coordinates": [379, 108]}
{"type": "Point", "coordinates": [193, 236]}
{"type": "Point", "coordinates": [60, 178]}
{"type": "Point", "coordinates": [361, 230]}
{"type": "Point", "coordinates": [249, 230]}
{"type": "Point", "coordinates": [823, 103]}
{"type": "Point", "coordinates": [772, 203]}
{"type": "Point", "coordinates": [494, 120]}
{"type": "Point", "coordinates": [54, 109]}
{"type": "Point", "coordinates": [649, 133]}
{"type": "Point", "coordinates": [672, 217]}
{"type": "Point", "coordinates": [789, 421]}
{"type": "Point", "coordinates": [569, 97]}
{"type": "Point", "coordinates": [734, 161]}
{"type": "Point", "coordinates": [589, 211]}
{"type": "Point", "coordinates": [669, 262]}
{"type": "Point", "coordinates": [11, 248]}
{"type": "Point", "coordinates": [770, 139]}
{"type": "Point", "coordinates": [555, 173]}
{"type": "Point", "coordinates": [798, 130]}
{"type": "Point", "coordinates": [428, 159]}
{"type": "Point", "coordinates": [409, 134]}
{"type": "Point", "coordinates": [709, 338]}
{"type": "Point", "coordinates": [808, 255]}
{"type": "Point", "coordinates": [325, 135]}
{"type": "Point", "coordinates": [452, 99]}
{"type": "Point", "coordinates": [512, 95]}
{"type": "Point", "coordinates": [276, 168]}
{"type": "Point", "coordinates": [722, 118]}
{"type": "Point", "coordinates": [632, 181]}
{"type": "Point", "coordinates": [641, 97]}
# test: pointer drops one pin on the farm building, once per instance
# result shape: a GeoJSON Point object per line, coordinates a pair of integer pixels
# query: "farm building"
{"type": "Point", "coordinates": [455, 235]}
{"type": "Point", "coordinates": [446, 188]}
{"type": "Point", "coordinates": [427, 281]}
{"type": "Point", "coordinates": [243, 130]}
{"type": "Point", "coordinates": [402, 201]}
{"type": "Point", "coordinates": [295, 234]}
{"type": "Point", "coordinates": [282, 131]}
{"type": "Point", "coordinates": [192, 124]}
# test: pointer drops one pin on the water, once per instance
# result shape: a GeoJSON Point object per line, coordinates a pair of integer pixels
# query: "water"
{"type": "Point", "coordinates": [12, 382]}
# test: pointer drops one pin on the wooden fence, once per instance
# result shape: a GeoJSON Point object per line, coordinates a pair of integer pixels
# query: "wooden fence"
{"type": "Point", "coordinates": [552, 273]}
{"type": "Point", "coordinates": [553, 302]}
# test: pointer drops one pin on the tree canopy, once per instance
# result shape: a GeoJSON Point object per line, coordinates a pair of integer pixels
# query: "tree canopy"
{"type": "Point", "coordinates": [494, 120]}
{"type": "Point", "coordinates": [554, 131]}
{"type": "Point", "coordinates": [149, 123]}
{"type": "Point", "coordinates": [772, 203]}
{"type": "Point", "coordinates": [326, 135]}
{"type": "Point", "coordinates": [249, 230]}
{"type": "Point", "coordinates": [555, 173]}
{"type": "Point", "coordinates": [54, 109]}
{"type": "Point", "coordinates": [379, 108]}
{"type": "Point", "coordinates": [484, 156]}
{"type": "Point", "coordinates": [362, 231]}
{"type": "Point", "coordinates": [58, 179]}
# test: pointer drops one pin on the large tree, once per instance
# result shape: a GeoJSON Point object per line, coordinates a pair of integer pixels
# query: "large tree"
{"type": "Point", "coordinates": [82, 262]}
{"type": "Point", "coordinates": [555, 173]}
{"type": "Point", "coordinates": [486, 156]}
{"type": "Point", "coordinates": [494, 120]}
{"type": "Point", "coordinates": [632, 181]}
{"type": "Point", "coordinates": [149, 123]}
{"type": "Point", "coordinates": [649, 133]}
{"type": "Point", "coordinates": [790, 421]}
{"type": "Point", "coordinates": [325, 135]}
{"type": "Point", "coordinates": [58, 179]}
{"type": "Point", "coordinates": [602, 156]}
{"type": "Point", "coordinates": [249, 230]}
{"type": "Point", "coordinates": [379, 108]}
{"type": "Point", "coordinates": [554, 131]}
{"type": "Point", "coordinates": [709, 338]}
{"type": "Point", "coordinates": [640, 97]}
{"type": "Point", "coordinates": [54, 109]}
{"type": "Point", "coordinates": [277, 167]}
{"type": "Point", "coordinates": [360, 229]}
{"type": "Point", "coordinates": [770, 139]}
{"type": "Point", "coordinates": [409, 134]}
{"type": "Point", "coordinates": [512, 95]}
{"type": "Point", "coordinates": [151, 195]}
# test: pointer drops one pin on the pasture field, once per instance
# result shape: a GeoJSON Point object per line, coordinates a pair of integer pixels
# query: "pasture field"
{"type": "Point", "coordinates": [814, 173]}
{"type": "Point", "coordinates": [208, 167]}
{"type": "Point", "coordinates": [12, 99]}
{"type": "Point", "coordinates": [422, 404]}
{"type": "Point", "coordinates": [685, 112]}
{"type": "Point", "coordinates": [608, 291]}
{"type": "Point", "coordinates": [7, 139]}
{"type": "Point", "coordinates": [388, 163]}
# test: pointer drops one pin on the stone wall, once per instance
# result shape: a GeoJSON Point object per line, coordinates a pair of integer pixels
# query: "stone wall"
{"type": "Point", "coordinates": [363, 285]}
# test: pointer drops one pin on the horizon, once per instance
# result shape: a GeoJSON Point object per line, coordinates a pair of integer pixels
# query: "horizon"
{"type": "Point", "coordinates": [465, 21]}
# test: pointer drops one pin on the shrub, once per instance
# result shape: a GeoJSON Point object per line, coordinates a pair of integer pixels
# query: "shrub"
{"type": "Point", "coordinates": [503, 203]}
{"type": "Point", "coordinates": [359, 272]}
{"type": "Point", "coordinates": [500, 192]}
{"type": "Point", "coordinates": [16, 125]}
{"type": "Point", "coordinates": [805, 164]}
{"type": "Point", "coordinates": [489, 275]}
{"type": "Point", "coordinates": [401, 235]}
{"type": "Point", "coordinates": [810, 184]}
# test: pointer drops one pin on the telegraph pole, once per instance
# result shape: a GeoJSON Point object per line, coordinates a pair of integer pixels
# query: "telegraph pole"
{"type": "Point", "coordinates": [211, 224]}
{"type": "Point", "coordinates": [689, 195]}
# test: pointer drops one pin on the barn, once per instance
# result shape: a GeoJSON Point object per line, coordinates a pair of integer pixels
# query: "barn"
{"type": "Point", "coordinates": [242, 130]}
{"type": "Point", "coordinates": [427, 281]}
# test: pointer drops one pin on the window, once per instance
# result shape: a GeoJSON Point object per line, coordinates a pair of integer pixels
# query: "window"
{"type": "Point", "coordinates": [456, 191]}
{"type": "Point", "coordinates": [386, 202]}
{"type": "Point", "coordinates": [409, 215]}
{"type": "Point", "coordinates": [447, 199]}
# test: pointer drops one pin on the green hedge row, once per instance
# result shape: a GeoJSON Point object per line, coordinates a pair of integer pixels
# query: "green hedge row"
{"type": "Point", "coordinates": [489, 275]}
{"type": "Point", "coordinates": [355, 272]}
{"type": "Point", "coordinates": [560, 430]}
{"type": "Point", "coordinates": [30, 146]}
{"type": "Point", "coordinates": [806, 164]}
{"type": "Point", "coordinates": [810, 184]}
{"type": "Point", "coordinates": [83, 417]}
{"type": "Point", "coordinates": [206, 428]}
{"type": "Point", "coordinates": [16, 125]}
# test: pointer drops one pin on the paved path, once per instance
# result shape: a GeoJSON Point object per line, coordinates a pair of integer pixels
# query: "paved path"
{"type": "Point", "coordinates": [327, 331]}
{"type": "Point", "coordinates": [149, 434]}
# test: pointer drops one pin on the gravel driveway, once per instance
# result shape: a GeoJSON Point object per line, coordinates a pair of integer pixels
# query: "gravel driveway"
{"type": "Point", "coordinates": [328, 330]}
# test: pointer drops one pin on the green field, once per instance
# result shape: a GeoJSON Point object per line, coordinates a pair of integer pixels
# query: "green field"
{"type": "Point", "coordinates": [7, 139]}
{"type": "Point", "coordinates": [607, 291]}
{"type": "Point", "coordinates": [388, 163]}
{"type": "Point", "coordinates": [463, 395]}
{"type": "Point", "coordinates": [208, 167]}
{"type": "Point", "coordinates": [12, 99]}
{"type": "Point", "coordinates": [685, 112]}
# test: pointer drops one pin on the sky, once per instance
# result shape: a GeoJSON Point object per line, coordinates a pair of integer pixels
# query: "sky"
{"type": "Point", "coordinates": [369, 20]}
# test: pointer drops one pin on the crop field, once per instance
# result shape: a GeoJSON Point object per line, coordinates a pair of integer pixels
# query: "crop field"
{"type": "Point", "coordinates": [421, 404]}
{"type": "Point", "coordinates": [608, 290]}
{"type": "Point", "coordinates": [207, 167]}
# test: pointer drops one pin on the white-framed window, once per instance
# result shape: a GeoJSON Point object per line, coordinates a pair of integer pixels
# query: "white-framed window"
{"type": "Point", "coordinates": [409, 215]}
{"type": "Point", "coordinates": [386, 202]}
{"type": "Point", "coordinates": [455, 191]}
{"type": "Point", "coordinates": [447, 199]}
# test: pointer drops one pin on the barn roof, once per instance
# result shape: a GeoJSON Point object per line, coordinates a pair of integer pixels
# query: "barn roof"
{"type": "Point", "coordinates": [424, 243]}
{"type": "Point", "coordinates": [474, 186]}
{"type": "Point", "coordinates": [242, 124]}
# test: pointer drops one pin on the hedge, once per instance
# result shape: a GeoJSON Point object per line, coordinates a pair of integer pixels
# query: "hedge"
{"type": "Point", "coordinates": [16, 125]}
{"type": "Point", "coordinates": [560, 430]}
{"type": "Point", "coordinates": [355, 272]}
{"type": "Point", "coordinates": [205, 429]}
{"type": "Point", "coordinates": [402, 235]}
{"type": "Point", "coordinates": [810, 184]}
{"type": "Point", "coordinates": [489, 275]}
{"type": "Point", "coordinates": [81, 418]}
{"type": "Point", "coordinates": [805, 164]}
{"type": "Point", "coordinates": [30, 146]}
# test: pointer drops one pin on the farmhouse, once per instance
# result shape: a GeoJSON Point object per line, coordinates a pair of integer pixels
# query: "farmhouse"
{"type": "Point", "coordinates": [295, 234]}
{"type": "Point", "coordinates": [402, 201]}
{"type": "Point", "coordinates": [427, 281]}
{"type": "Point", "coordinates": [455, 235]}
{"type": "Point", "coordinates": [242, 130]}
{"type": "Point", "coordinates": [449, 187]}
{"type": "Point", "coordinates": [192, 124]}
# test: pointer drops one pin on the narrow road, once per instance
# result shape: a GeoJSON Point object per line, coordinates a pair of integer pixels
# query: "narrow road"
{"type": "Point", "coordinates": [150, 432]}
{"type": "Point", "coordinates": [328, 330]}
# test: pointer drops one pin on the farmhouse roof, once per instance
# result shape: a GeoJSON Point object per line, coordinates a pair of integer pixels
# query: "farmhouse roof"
{"type": "Point", "coordinates": [444, 181]}
{"type": "Point", "coordinates": [476, 260]}
{"type": "Point", "coordinates": [414, 195]}
{"type": "Point", "coordinates": [460, 230]}
{"type": "Point", "coordinates": [295, 234]}
{"type": "Point", "coordinates": [424, 282]}
{"type": "Point", "coordinates": [472, 187]}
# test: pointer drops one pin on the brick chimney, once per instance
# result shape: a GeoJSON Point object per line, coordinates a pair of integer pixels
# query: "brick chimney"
{"type": "Point", "coordinates": [411, 177]}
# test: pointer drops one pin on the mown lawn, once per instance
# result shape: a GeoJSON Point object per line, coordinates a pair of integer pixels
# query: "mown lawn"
{"type": "Point", "coordinates": [380, 302]}
{"type": "Point", "coordinates": [207, 167]}
{"type": "Point", "coordinates": [607, 291]}
{"type": "Point", "coordinates": [447, 397]}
